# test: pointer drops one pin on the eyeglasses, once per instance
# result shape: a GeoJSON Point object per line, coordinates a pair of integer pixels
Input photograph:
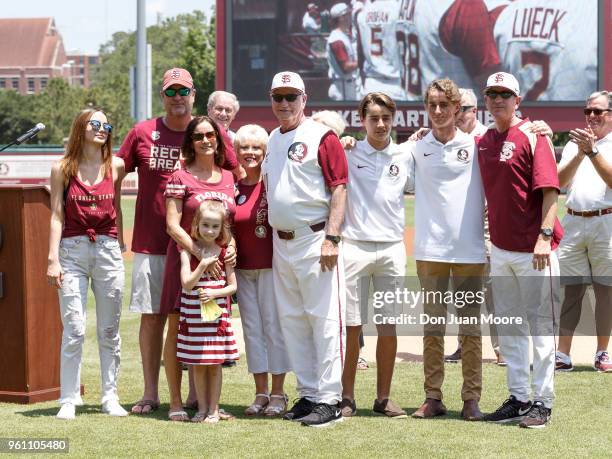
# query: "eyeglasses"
{"type": "Point", "coordinates": [278, 98]}
{"type": "Point", "coordinates": [595, 111]}
{"type": "Point", "coordinates": [199, 136]}
{"type": "Point", "coordinates": [504, 94]}
{"type": "Point", "coordinates": [171, 92]}
{"type": "Point", "coordinates": [96, 125]}
{"type": "Point", "coordinates": [465, 108]}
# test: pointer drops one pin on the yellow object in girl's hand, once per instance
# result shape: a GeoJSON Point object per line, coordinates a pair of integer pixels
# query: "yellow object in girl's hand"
{"type": "Point", "coordinates": [210, 310]}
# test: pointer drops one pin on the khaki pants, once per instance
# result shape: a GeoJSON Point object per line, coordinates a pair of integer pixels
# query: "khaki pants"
{"type": "Point", "coordinates": [466, 277]}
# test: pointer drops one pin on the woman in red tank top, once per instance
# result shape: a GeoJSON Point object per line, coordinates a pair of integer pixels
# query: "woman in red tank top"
{"type": "Point", "coordinates": [85, 245]}
{"type": "Point", "coordinates": [201, 178]}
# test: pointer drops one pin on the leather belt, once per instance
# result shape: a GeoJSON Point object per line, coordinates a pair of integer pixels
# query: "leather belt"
{"type": "Point", "coordinates": [590, 213]}
{"type": "Point", "coordinates": [288, 235]}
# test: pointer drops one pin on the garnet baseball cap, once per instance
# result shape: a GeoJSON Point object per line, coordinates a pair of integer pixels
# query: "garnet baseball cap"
{"type": "Point", "coordinates": [504, 80]}
{"type": "Point", "coordinates": [177, 76]}
{"type": "Point", "coordinates": [338, 10]}
{"type": "Point", "coordinates": [288, 80]}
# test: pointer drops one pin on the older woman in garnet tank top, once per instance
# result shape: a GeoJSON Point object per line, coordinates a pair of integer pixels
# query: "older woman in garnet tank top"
{"type": "Point", "coordinates": [263, 339]}
{"type": "Point", "coordinates": [85, 246]}
{"type": "Point", "coordinates": [201, 178]}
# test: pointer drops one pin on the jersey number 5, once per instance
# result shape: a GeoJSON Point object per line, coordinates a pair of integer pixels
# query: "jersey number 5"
{"type": "Point", "coordinates": [376, 47]}
{"type": "Point", "coordinates": [541, 60]}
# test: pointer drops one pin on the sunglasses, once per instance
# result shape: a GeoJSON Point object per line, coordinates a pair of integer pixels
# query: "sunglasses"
{"type": "Point", "coordinates": [170, 92]}
{"type": "Point", "coordinates": [96, 125]}
{"type": "Point", "coordinates": [465, 108]}
{"type": "Point", "coordinates": [278, 98]}
{"type": "Point", "coordinates": [199, 136]}
{"type": "Point", "coordinates": [504, 94]}
{"type": "Point", "coordinates": [595, 111]}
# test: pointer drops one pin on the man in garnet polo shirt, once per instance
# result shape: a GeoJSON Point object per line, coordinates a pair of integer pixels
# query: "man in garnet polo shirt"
{"type": "Point", "coordinates": [154, 148]}
{"type": "Point", "coordinates": [519, 175]}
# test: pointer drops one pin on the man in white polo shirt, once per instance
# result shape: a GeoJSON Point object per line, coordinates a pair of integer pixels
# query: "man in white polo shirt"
{"type": "Point", "coordinates": [585, 251]}
{"type": "Point", "coordinates": [373, 236]}
{"type": "Point", "coordinates": [305, 174]}
{"type": "Point", "coordinates": [449, 243]}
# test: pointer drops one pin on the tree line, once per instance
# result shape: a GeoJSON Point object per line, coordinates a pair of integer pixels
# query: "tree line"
{"type": "Point", "coordinates": [187, 40]}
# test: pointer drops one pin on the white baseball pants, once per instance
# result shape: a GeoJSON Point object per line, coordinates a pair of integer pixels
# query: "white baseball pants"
{"type": "Point", "coordinates": [521, 291]}
{"type": "Point", "coordinates": [311, 310]}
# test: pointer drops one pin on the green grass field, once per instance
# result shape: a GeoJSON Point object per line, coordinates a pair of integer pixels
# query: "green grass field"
{"type": "Point", "coordinates": [580, 428]}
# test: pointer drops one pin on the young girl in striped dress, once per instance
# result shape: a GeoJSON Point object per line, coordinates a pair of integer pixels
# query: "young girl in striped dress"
{"type": "Point", "coordinates": [206, 338]}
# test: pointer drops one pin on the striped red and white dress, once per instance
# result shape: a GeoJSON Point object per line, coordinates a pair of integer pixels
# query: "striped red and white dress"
{"type": "Point", "coordinates": [205, 343]}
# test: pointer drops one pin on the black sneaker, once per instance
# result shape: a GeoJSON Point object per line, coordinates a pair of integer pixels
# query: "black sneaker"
{"type": "Point", "coordinates": [323, 415]}
{"type": "Point", "coordinates": [510, 410]}
{"type": "Point", "coordinates": [303, 407]}
{"type": "Point", "coordinates": [454, 357]}
{"type": "Point", "coordinates": [228, 363]}
{"type": "Point", "coordinates": [538, 416]}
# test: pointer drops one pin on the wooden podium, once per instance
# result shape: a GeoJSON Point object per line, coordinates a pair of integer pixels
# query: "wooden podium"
{"type": "Point", "coordinates": [30, 325]}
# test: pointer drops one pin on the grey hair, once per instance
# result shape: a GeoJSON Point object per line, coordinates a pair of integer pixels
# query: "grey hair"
{"type": "Point", "coordinates": [251, 133]}
{"type": "Point", "coordinates": [332, 120]}
{"type": "Point", "coordinates": [607, 94]}
{"type": "Point", "coordinates": [469, 95]}
{"type": "Point", "coordinates": [213, 97]}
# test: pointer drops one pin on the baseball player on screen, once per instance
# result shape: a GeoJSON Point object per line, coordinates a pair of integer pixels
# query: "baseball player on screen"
{"type": "Point", "coordinates": [378, 50]}
{"type": "Point", "coordinates": [550, 46]}
{"type": "Point", "coordinates": [342, 55]}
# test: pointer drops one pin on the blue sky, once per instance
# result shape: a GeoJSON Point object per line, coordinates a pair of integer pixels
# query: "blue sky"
{"type": "Point", "coordinates": [86, 24]}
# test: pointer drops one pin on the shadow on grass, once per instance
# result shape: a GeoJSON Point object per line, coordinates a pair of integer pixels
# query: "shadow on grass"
{"type": "Point", "coordinates": [579, 369]}
{"type": "Point", "coordinates": [52, 411]}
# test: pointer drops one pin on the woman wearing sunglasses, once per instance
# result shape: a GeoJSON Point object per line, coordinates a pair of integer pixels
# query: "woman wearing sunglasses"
{"type": "Point", "coordinates": [85, 244]}
{"type": "Point", "coordinates": [201, 178]}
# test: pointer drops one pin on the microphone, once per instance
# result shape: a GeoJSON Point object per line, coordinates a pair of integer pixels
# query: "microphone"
{"type": "Point", "coordinates": [31, 133]}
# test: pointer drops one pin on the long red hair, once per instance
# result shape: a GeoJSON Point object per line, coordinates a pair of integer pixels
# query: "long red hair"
{"type": "Point", "coordinates": [69, 164]}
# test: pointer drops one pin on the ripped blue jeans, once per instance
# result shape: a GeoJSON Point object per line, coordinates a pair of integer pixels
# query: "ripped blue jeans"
{"type": "Point", "coordinates": [102, 263]}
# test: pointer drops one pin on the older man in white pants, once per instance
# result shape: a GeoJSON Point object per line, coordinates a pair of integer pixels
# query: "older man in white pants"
{"type": "Point", "coordinates": [305, 172]}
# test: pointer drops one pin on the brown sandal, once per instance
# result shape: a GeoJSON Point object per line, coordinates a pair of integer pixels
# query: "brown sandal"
{"type": "Point", "coordinates": [257, 408]}
{"type": "Point", "coordinates": [274, 409]}
{"type": "Point", "coordinates": [152, 404]}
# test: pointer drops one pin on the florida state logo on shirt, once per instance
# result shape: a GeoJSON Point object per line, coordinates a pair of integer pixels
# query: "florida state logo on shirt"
{"type": "Point", "coordinates": [297, 151]}
{"type": "Point", "coordinates": [155, 135]}
{"type": "Point", "coordinates": [393, 170]}
{"type": "Point", "coordinates": [463, 155]}
{"type": "Point", "coordinates": [507, 151]}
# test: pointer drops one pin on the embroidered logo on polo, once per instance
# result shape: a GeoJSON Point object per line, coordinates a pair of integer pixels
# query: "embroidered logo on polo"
{"type": "Point", "coordinates": [297, 151]}
{"type": "Point", "coordinates": [241, 199]}
{"type": "Point", "coordinates": [155, 135]}
{"type": "Point", "coordinates": [507, 151]}
{"type": "Point", "coordinates": [393, 170]}
{"type": "Point", "coordinates": [463, 155]}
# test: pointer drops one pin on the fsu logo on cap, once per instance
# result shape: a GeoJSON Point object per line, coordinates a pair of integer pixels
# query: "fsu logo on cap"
{"type": "Point", "coordinates": [297, 151]}
{"type": "Point", "coordinates": [463, 155]}
{"type": "Point", "coordinates": [499, 77]}
{"type": "Point", "coordinates": [286, 78]}
{"type": "Point", "coordinates": [176, 74]}
{"type": "Point", "coordinates": [507, 151]}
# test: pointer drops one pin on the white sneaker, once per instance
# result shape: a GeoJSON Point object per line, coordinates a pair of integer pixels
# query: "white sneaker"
{"type": "Point", "coordinates": [66, 412]}
{"type": "Point", "coordinates": [112, 408]}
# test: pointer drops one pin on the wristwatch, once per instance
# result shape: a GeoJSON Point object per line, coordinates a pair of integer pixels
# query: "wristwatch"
{"type": "Point", "coordinates": [546, 232]}
{"type": "Point", "coordinates": [334, 239]}
{"type": "Point", "coordinates": [594, 152]}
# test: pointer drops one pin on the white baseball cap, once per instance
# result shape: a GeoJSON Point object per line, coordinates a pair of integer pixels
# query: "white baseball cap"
{"type": "Point", "coordinates": [339, 9]}
{"type": "Point", "coordinates": [288, 80]}
{"type": "Point", "coordinates": [504, 80]}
